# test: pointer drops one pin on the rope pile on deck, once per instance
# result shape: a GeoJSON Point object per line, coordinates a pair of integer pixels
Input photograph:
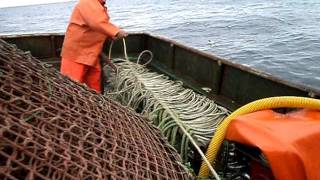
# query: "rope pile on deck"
{"type": "Point", "coordinates": [186, 118]}
{"type": "Point", "coordinates": [54, 128]}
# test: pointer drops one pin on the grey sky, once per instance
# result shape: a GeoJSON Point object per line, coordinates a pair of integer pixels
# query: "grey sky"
{"type": "Point", "coordinates": [10, 3]}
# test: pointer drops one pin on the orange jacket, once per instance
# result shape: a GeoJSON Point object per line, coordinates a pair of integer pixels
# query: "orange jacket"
{"type": "Point", "coordinates": [88, 30]}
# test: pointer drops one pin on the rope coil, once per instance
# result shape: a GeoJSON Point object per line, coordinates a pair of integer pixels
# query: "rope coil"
{"type": "Point", "coordinates": [167, 103]}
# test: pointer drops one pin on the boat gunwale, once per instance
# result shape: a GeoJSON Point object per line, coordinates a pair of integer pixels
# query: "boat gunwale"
{"type": "Point", "coordinates": [312, 92]}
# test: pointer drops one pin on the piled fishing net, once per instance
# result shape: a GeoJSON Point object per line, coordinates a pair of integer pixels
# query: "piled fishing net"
{"type": "Point", "coordinates": [53, 128]}
{"type": "Point", "coordinates": [186, 118]}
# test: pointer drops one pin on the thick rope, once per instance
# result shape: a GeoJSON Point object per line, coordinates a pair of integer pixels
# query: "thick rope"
{"type": "Point", "coordinates": [198, 110]}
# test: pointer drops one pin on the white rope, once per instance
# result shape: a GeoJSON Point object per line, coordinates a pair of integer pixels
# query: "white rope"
{"type": "Point", "coordinates": [167, 103]}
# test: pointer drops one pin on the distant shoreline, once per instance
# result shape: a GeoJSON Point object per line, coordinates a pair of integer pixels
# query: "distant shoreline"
{"type": "Point", "coordinates": [9, 7]}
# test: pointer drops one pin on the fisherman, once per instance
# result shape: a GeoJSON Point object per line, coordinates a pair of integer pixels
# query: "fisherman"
{"type": "Point", "coordinates": [88, 29]}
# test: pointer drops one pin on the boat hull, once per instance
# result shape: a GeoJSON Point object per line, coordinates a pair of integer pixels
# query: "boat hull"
{"type": "Point", "coordinates": [232, 85]}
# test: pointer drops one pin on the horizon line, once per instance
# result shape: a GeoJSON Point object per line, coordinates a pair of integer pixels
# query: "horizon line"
{"type": "Point", "coordinates": [44, 3]}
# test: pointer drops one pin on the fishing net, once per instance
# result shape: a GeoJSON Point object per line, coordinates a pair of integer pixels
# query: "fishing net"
{"type": "Point", "coordinates": [54, 128]}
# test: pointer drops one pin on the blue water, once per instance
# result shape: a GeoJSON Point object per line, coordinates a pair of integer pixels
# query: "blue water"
{"type": "Point", "coordinates": [279, 37]}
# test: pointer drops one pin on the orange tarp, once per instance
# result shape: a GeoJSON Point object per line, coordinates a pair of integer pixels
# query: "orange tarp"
{"type": "Point", "coordinates": [290, 142]}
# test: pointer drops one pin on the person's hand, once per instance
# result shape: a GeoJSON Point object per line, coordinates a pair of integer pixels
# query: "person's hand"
{"type": "Point", "coordinates": [121, 34]}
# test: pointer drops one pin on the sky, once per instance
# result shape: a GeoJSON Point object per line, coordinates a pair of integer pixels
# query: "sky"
{"type": "Point", "coordinates": [11, 3]}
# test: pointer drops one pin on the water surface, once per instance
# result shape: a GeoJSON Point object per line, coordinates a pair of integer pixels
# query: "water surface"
{"type": "Point", "coordinates": [280, 37]}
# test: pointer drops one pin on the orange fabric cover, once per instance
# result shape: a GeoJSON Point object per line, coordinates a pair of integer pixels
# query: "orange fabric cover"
{"type": "Point", "coordinates": [291, 142]}
{"type": "Point", "coordinates": [81, 73]}
{"type": "Point", "coordinates": [88, 29]}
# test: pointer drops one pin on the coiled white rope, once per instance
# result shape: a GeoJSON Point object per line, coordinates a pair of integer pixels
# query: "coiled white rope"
{"type": "Point", "coordinates": [167, 103]}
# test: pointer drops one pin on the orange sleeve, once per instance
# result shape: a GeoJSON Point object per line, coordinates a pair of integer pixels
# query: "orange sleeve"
{"type": "Point", "coordinates": [96, 17]}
